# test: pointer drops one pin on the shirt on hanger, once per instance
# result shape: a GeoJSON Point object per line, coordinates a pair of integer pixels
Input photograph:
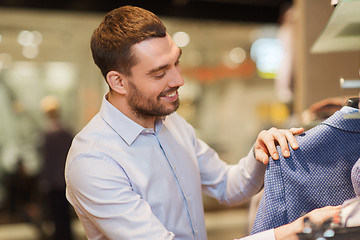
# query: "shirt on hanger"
{"type": "Point", "coordinates": [315, 175]}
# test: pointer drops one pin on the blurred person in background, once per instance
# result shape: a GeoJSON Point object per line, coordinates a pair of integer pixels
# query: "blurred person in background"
{"type": "Point", "coordinates": [137, 169]}
{"type": "Point", "coordinates": [23, 198]}
{"type": "Point", "coordinates": [57, 141]}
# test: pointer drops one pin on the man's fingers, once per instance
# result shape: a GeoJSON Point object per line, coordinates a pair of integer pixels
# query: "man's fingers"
{"type": "Point", "coordinates": [320, 215]}
{"type": "Point", "coordinates": [268, 140]}
{"type": "Point", "coordinates": [262, 156]}
{"type": "Point", "coordinates": [290, 138]}
{"type": "Point", "coordinates": [283, 137]}
{"type": "Point", "coordinates": [296, 131]}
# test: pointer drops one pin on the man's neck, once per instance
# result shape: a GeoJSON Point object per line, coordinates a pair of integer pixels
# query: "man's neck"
{"type": "Point", "coordinates": [121, 105]}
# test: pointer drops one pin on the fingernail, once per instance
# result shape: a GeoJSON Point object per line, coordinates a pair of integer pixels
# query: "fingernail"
{"type": "Point", "coordinates": [276, 156]}
{"type": "Point", "coordinates": [286, 153]}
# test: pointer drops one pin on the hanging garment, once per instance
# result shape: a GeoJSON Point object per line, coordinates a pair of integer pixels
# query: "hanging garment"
{"type": "Point", "coordinates": [315, 175]}
{"type": "Point", "coordinates": [355, 177]}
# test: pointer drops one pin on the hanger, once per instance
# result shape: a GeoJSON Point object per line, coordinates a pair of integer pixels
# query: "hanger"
{"type": "Point", "coordinates": [353, 102]}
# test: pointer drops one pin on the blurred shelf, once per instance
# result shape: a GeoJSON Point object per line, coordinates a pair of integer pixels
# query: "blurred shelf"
{"type": "Point", "coordinates": [342, 32]}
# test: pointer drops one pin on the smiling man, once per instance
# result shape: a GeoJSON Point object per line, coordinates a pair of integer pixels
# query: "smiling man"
{"type": "Point", "coordinates": [137, 169]}
{"type": "Point", "coordinates": [150, 91]}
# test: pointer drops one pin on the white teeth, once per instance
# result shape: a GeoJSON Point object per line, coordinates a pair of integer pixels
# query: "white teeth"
{"type": "Point", "coordinates": [171, 94]}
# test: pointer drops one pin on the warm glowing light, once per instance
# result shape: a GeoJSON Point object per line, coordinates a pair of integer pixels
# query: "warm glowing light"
{"type": "Point", "coordinates": [30, 40]}
{"type": "Point", "coordinates": [181, 39]}
{"type": "Point", "coordinates": [237, 55]}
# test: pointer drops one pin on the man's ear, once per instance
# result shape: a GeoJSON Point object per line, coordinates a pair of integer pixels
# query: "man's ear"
{"type": "Point", "coordinates": [116, 81]}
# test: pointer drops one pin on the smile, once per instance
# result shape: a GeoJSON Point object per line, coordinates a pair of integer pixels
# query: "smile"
{"type": "Point", "coordinates": [171, 94]}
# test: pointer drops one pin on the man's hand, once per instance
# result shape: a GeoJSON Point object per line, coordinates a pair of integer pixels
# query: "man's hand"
{"type": "Point", "coordinates": [267, 140]}
{"type": "Point", "coordinates": [317, 216]}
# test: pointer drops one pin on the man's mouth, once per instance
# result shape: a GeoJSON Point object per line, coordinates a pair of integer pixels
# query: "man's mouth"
{"type": "Point", "coordinates": [172, 94]}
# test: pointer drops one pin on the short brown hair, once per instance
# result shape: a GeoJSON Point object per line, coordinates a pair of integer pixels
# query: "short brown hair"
{"type": "Point", "coordinates": [112, 41]}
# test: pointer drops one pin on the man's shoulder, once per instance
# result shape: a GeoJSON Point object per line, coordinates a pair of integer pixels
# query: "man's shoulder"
{"type": "Point", "coordinates": [95, 135]}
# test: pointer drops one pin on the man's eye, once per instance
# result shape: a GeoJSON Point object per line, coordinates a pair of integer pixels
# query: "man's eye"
{"type": "Point", "coordinates": [158, 76]}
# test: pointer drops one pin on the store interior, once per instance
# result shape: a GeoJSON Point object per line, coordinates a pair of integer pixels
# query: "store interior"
{"type": "Point", "coordinates": [242, 75]}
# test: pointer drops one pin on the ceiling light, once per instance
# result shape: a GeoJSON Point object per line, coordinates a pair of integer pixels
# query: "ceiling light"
{"type": "Point", "coordinates": [181, 39]}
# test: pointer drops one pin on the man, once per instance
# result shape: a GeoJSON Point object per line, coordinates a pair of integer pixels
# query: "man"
{"type": "Point", "coordinates": [137, 170]}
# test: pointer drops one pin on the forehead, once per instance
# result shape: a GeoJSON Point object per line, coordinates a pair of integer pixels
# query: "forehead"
{"type": "Point", "coordinates": [156, 51]}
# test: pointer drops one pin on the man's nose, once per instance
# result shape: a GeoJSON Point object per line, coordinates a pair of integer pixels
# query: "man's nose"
{"type": "Point", "coordinates": [176, 78]}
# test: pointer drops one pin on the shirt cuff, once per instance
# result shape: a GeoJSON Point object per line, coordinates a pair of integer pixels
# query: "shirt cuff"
{"type": "Point", "coordinates": [268, 235]}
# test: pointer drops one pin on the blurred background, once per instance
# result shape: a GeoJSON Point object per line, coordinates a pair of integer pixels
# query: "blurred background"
{"type": "Point", "coordinates": [248, 65]}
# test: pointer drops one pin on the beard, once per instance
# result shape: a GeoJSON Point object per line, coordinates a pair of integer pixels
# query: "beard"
{"type": "Point", "coordinates": [146, 107]}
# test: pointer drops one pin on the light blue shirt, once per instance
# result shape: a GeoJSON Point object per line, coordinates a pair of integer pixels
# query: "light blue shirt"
{"type": "Point", "coordinates": [128, 182]}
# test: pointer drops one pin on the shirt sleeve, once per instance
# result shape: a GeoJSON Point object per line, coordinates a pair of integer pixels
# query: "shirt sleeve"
{"type": "Point", "coordinates": [245, 179]}
{"type": "Point", "coordinates": [107, 204]}
{"type": "Point", "coordinates": [267, 235]}
{"type": "Point", "coordinates": [230, 184]}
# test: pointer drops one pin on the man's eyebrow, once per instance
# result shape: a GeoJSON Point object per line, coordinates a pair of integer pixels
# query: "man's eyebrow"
{"type": "Point", "coordinates": [163, 66]}
{"type": "Point", "coordinates": [158, 69]}
{"type": "Point", "coordinates": [180, 53]}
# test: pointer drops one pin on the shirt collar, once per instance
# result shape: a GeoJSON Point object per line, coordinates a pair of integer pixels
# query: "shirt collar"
{"type": "Point", "coordinates": [340, 121]}
{"type": "Point", "coordinates": [347, 110]}
{"type": "Point", "coordinates": [122, 125]}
